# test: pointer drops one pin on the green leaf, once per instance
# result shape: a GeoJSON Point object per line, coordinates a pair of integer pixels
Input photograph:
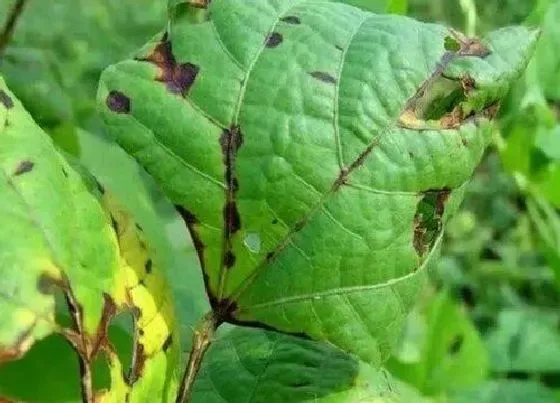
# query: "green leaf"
{"type": "Point", "coordinates": [507, 391]}
{"type": "Point", "coordinates": [292, 136]}
{"type": "Point", "coordinates": [546, 221]}
{"type": "Point", "coordinates": [58, 51]}
{"type": "Point", "coordinates": [525, 341]}
{"type": "Point", "coordinates": [257, 365]}
{"type": "Point", "coordinates": [58, 238]}
{"type": "Point", "coordinates": [379, 6]}
{"type": "Point", "coordinates": [448, 355]}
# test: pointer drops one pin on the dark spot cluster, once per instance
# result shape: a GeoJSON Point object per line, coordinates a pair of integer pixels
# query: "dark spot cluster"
{"type": "Point", "coordinates": [6, 100]}
{"type": "Point", "coordinates": [231, 141]}
{"type": "Point", "coordinates": [178, 77]}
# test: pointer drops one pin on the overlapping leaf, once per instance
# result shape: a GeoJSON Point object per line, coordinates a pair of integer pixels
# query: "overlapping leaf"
{"type": "Point", "coordinates": [57, 237]}
{"type": "Point", "coordinates": [314, 150]}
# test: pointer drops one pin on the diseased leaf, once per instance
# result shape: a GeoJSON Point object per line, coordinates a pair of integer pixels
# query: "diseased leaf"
{"type": "Point", "coordinates": [58, 238]}
{"type": "Point", "coordinates": [315, 152]}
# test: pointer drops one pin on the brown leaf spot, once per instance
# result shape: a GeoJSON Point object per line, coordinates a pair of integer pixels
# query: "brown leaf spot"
{"type": "Point", "coordinates": [167, 343]}
{"type": "Point", "coordinates": [115, 225]}
{"type": "Point", "coordinates": [6, 100]}
{"type": "Point", "coordinates": [178, 77]}
{"type": "Point", "coordinates": [24, 167]}
{"type": "Point", "coordinates": [291, 19]}
{"type": "Point", "coordinates": [229, 259]}
{"type": "Point", "coordinates": [468, 83]}
{"type": "Point", "coordinates": [474, 47]}
{"type": "Point", "coordinates": [232, 218]}
{"type": "Point", "coordinates": [324, 77]}
{"type": "Point", "coordinates": [118, 102]}
{"type": "Point", "coordinates": [148, 266]}
{"type": "Point", "coordinates": [274, 39]}
{"type": "Point", "coordinates": [456, 344]}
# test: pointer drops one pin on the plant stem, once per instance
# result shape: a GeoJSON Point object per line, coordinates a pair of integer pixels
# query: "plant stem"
{"type": "Point", "coordinates": [9, 27]}
{"type": "Point", "coordinates": [203, 336]}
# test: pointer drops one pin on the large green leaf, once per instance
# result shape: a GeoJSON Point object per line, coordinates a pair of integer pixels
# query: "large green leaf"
{"type": "Point", "coordinates": [257, 366]}
{"type": "Point", "coordinates": [58, 238]}
{"type": "Point", "coordinates": [315, 152]}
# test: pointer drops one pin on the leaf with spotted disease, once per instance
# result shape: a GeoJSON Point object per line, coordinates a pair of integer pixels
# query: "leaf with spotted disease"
{"type": "Point", "coordinates": [62, 238]}
{"type": "Point", "coordinates": [315, 152]}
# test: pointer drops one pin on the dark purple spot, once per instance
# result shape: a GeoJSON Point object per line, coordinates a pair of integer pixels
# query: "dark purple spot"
{"type": "Point", "coordinates": [24, 167]}
{"type": "Point", "coordinates": [232, 218]}
{"type": "Point", "coordinates": [118, 102]}
{"type": "Point", "coordinates": [291, 19]}
{"type": "Point", "coordinates": [274, 39]}
{"type": "Point", "coordinates": [182, 78]}
{"type": "Point", "coordinates": [322, 76]}
{"type": "Point", "coordinates": [456, 344]}
{"type": "Point", "coordinates": [148, 266]}
{"type": "Point", "coordinates": [187, 215]}
{"type": "Point", "coordinates": [229, 259]}
{"type": "Point", "coordinates": [168, 342]}
{"type": "Point", "coordinates": [179, 78]}
{"type": "Point", "coordinates": [6, 100]}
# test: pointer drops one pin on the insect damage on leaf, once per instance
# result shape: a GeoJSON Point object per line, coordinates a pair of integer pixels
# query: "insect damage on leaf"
{"type": "Point", "coordinates": [439, 102]}
{"type": "Point", "coordinates": [428, 222]}
{"type": "Point", "coordinates": [178, 77]}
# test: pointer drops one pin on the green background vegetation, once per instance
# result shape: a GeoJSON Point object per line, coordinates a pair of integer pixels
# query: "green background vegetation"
{"type": "Point", "coordinates": [488, 326]}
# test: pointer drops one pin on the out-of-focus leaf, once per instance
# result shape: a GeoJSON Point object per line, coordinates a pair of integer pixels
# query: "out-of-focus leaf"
{"type": "Point", "coordinates": [507, 391]}
{"type": "Point", "coordinates": [452, 354]}
{"type": "Point", "coordinates": [60, 48]}
{"type": "Point", "coordinates": [525, 341]}
{"type": "Point", "coordinates": [379, 6]}
{"type": "Point", "coordinates": [229, 120]}
{"type": "Point", "coordinates": [547, 223]}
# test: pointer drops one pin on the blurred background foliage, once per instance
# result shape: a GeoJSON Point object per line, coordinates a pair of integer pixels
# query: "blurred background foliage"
{"type": "Point", "coordinates": [488, 327]}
